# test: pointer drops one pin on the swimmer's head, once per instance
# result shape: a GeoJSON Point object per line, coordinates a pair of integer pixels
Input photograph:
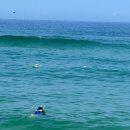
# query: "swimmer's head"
{"type": "Point", "coordinates": [40, 108]}
{"type": "Point", "coordinates": [40, 111]}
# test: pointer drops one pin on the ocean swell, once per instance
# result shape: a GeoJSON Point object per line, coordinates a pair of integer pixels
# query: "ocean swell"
{"type": "Point", "coordinates": [56, 41]}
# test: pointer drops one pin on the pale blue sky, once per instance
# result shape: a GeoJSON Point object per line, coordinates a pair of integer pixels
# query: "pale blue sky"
{"type": "Point", "coordinates": [75, 10]}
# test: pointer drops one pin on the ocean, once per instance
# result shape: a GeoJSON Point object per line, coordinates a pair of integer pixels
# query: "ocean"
{"type": "Point", "coordinates": [82, 78]}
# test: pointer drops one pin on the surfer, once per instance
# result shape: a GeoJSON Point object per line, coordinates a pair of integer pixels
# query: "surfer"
{"type": "Point", "coordinates": [40, 111]}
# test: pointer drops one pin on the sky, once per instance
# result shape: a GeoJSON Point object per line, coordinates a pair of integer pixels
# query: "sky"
{"type": "Point", "coordinates": [70, 10]}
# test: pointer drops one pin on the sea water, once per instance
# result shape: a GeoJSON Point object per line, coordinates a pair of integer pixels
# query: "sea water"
{"type": "Point", "coordinates": [82, 78]}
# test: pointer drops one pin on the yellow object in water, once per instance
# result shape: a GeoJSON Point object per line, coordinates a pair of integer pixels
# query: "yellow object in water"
{"type": "Point", "coordinates": [36, 65]}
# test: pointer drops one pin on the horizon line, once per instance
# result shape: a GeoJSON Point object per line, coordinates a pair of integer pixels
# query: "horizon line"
{"type": "Point", "coordinates": [57, 20]}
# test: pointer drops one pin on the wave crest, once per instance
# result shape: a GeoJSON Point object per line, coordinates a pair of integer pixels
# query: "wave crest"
{"type": "Point", "coordinates": [53, 41]}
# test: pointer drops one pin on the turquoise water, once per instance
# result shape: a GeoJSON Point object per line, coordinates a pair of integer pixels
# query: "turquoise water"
{"type": "Point", "coordinates": [83, 79]}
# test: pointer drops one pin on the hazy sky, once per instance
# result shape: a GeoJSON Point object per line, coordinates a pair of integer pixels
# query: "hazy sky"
{"type": "Point", "coordinates": [79, 10]}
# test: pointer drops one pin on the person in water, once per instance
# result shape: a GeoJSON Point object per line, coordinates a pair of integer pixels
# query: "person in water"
{"type": "Point", "coordinates": [40, 111]}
